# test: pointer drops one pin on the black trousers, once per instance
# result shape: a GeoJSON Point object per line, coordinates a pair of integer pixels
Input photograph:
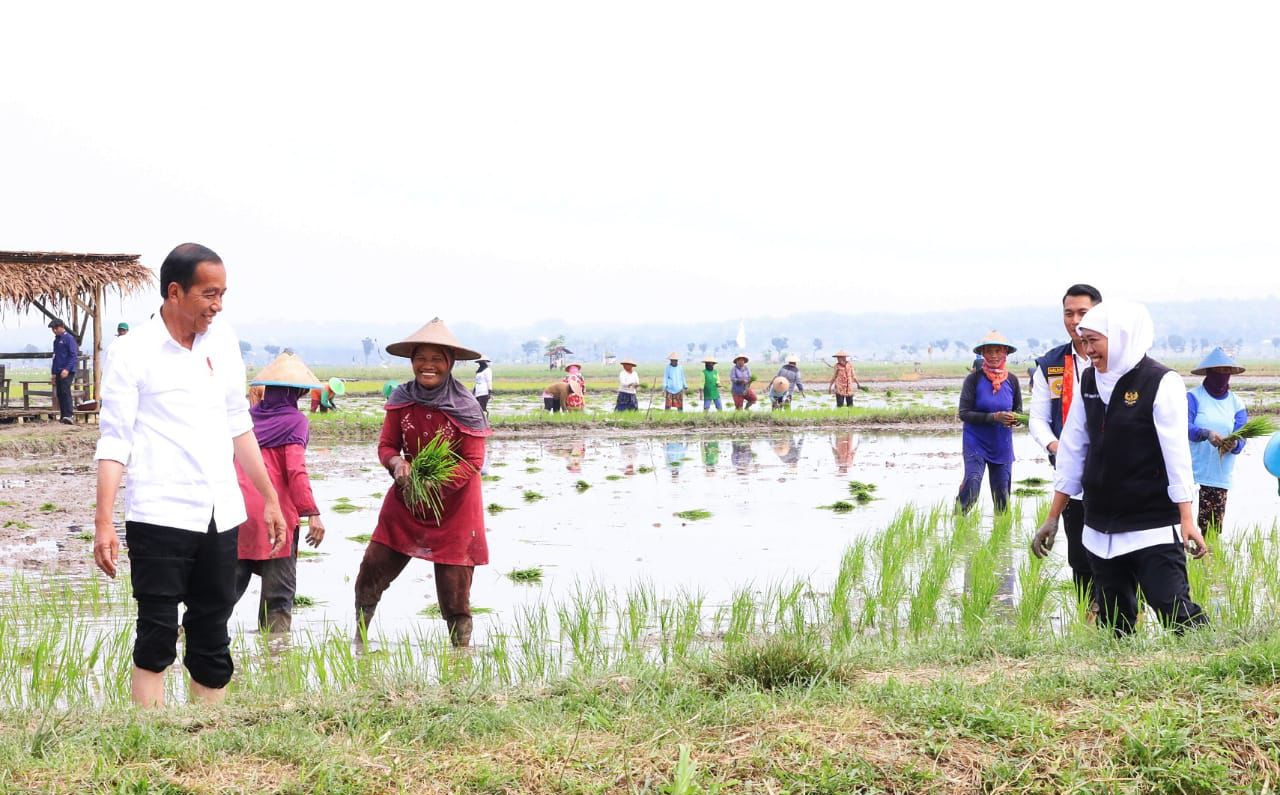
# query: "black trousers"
{"type": "Point", "coordinates": [483, 400]}
{"type": "Point", "coordinates": [1161, 573]}
{"type": "Point", "coordinates": [66, 407]}
{"type": "Point", "coordinates": [844, 400]}
{"type": "Point", "coordinates": [1077, 555]}
{"type": "Point", "coordinates": [168, 566]}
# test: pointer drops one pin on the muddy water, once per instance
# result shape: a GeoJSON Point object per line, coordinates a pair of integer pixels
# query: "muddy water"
{"type": "Point", "coordinates": [763, 492]}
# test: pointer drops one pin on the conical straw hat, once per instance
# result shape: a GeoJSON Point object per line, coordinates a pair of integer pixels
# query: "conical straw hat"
{"type": "Point", "coordinates": [628, 360]}
{"type": "Point", "coordinates": [743, 357]}
{"type": "Point", "coordinates": [793, 359]}
{"type": "Point", "coordinates": [673, 355]}
{"type": "Point", "coordinates": [434, 333]}
{"type": "Point", "coordinates": [287, 370]}
{"type": "Point", "coordinates": [993, 338]}
{"type": "Point", "coordinates": [1217, 358]}
{"type": "Point", "coordinates": [841, 352]}
{"type": "Point", "coordinates": [708, 359]}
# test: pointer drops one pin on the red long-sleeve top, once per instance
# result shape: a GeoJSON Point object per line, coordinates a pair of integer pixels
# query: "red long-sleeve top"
{"type": "Point", "coordinates": [458, 539]}
{"type": "Point", "coordinates": [287, 468]}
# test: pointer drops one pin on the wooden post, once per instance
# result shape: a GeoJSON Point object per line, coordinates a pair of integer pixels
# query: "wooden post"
{"type": "Point", "coordinates": [96, 310]}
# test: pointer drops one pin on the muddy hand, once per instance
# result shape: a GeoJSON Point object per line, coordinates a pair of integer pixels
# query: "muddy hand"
{"type": "Point", "coordinates": [1044, 537]}
{"type": "Point", "coordinates": [1194, 542]}
{"type": "Point", "coordinates": [315, 531]}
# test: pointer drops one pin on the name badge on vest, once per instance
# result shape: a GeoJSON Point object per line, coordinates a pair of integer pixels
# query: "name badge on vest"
{"type": "Point", "coordinates": [1055, 386]}
{"type": "Point", "coordinates": [1131, 398]}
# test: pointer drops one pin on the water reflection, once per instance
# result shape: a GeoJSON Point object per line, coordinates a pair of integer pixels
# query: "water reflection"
{"type": "Point", "coordinates": [710, 455]}
{"type": "Point", "coordinates": [843, 448]}
{"type": "Point", "coordinates": [742, 456]}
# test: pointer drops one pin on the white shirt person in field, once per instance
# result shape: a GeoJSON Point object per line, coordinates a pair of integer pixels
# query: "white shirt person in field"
{"type": "Point", "coordinates": [174, 414]}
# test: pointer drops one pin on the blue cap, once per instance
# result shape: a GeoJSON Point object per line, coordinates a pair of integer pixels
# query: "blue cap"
{"type": "Point", "coordinates": [1218, 358]}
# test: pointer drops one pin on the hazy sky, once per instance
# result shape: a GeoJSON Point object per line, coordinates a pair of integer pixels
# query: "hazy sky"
{"type": "Point", "coordinates": [502, 163]}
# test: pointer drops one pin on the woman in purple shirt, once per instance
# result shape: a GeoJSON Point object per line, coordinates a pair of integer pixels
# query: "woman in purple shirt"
{"type": "Point", "coordinates": [989, 402]}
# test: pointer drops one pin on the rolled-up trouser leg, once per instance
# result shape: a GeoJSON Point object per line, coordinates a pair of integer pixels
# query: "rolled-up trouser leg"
{"type": "Point", "coordinates": [211, 596]}
{"type": "Point", "coordinates": [379, 568]}
{"type": "Point", "coordinates": [453, 590]}
{"type": "Point", "coordinates": [279, 586]}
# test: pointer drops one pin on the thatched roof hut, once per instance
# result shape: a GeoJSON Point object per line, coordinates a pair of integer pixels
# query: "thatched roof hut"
{"type": "Point", "coordinates": [72, 287]}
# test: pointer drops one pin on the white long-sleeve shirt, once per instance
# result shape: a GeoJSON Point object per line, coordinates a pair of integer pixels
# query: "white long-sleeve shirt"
{"type": "Point", "coordinates": [169, 415]}
{"type": "Point", "coordinates": [1170, 415]}
{"type": "Point", "coordinates": [484, 382]}
{"type": "Point", "coordinates": [628, 383]}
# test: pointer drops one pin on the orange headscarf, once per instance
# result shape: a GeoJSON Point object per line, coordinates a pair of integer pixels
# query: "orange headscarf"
{"type": "Point", "coordinates": [997, 375]}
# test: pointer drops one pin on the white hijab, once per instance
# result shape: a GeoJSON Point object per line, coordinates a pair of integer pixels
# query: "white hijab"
{"type": "Point", "coordinates": [1130, 334]}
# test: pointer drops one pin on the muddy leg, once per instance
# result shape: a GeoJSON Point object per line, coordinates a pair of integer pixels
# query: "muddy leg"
{"type": "Point", "coordinates": [453, 590]}
{"type": "Point", "coordinates": [380, 566]}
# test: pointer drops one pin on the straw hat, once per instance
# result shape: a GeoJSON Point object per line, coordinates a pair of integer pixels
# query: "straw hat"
{"type": "Point", "coordinates": [628, 361]}
{"type": "Point", "coordinates": [1217, 358]}
{"type": "Point", "coordinates": [994, 338]}
{"type": "Point", "coordinates": [673, 355]}
{"type": "Point", "coordinates": [708, 359]}
{"type": "Point", "coordinates": [287, 370]}
{"type": "Point", "coordinates": [793, 359]}
{"type": "Point", "coordinates": [434, 333]}
{"type": "Point", "coordinates": [780, 384]}
{"type": "Point", "coordinates": [741, 356]}
{"type": "Point", "coordinates": [841, 352]}
{"type": "Point", "coordinates": [572, 364]}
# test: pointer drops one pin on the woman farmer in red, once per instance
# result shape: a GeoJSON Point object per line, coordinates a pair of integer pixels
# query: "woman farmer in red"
{"type": "Point", "coordinates": [282, 433]}
{"type": "Point", "coordinates": [432, 404]}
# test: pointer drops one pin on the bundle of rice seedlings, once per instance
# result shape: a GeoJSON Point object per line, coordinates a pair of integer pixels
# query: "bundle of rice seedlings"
{"type": "Point", "coordinates": [435, 465]}
{"type": "Point", "coordinates": [1252, 429]}
{"type": "Point", "coordinates": [1023, 417]}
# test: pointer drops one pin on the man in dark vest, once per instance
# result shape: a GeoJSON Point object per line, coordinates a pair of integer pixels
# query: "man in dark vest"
{"type": "Point", "coordinates": [1125, 446]}
{"type": "Point", "coordinates": [1054, 385]}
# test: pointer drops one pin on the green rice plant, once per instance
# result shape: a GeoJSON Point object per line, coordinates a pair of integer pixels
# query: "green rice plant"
{"type": "Point", "coordinates": [433, 611]}
{"type": "Point", "coordinates": [1028, 492]}
{"type": "Point", "coordinates": [771, 663]}
{"type": "Point", "coordinates": [853, 564]}
{"type": "Point", "coordinates": [862, 492]}
{"type": "Point", "coordinates": [922, 612]}
{"type": "Point", "coordinates": [530, 575]}
{"type": "Point", "coordinates": [495, 508]}
{"type": "Point", "coordinates": [304, 554]}
{"type": "Point", "coordinates": [1253, 428]}
{"type": "Point", "coordinates": [316, 476]}
{"type": "Point", "coordinates": [361, 538]}
{"type": "Point", "coordinates": [530, 460]}
{"type": "Point", "coordinates": [742, 617]}
{"type": "Point", "coordinates": [533, 470]}
{"type": "Point", "coordinates": [644, 470]}
{"type": "Point", "coordinates": [839, 506]}
{"type": "Point", "coordinates": [581, 486]}
{"type": "Point", "coordinates": [344, 506]}
{"type": "Point", "coordinates": [532, 496]}
{"type": "Point", "coordinates": [490, 478]}
{"type": "Point", "coordinates": [1034, 481]}
{"type": "Point", "coordinates": [693, 515]}
{"type": "Point", "coordinates": [433, 466]}
{"type": "Point", "coordinates": [613, 477]}
{"type": "Point", "coordinates": [1036, 589]}
{"type": "Point", "coordinates": [301, 601]}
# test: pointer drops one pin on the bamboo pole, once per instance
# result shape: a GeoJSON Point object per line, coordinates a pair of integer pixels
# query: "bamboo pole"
{"type": "Point", "coordinates": [99, 295]}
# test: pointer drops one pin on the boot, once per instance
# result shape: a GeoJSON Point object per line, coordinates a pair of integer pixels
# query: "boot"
{"type": "Point", "coordinates": [459, 631]}
{"type": "Point", "coordinates": [277, 621]}
{"type": "Point", "coordinates": [364, 619]}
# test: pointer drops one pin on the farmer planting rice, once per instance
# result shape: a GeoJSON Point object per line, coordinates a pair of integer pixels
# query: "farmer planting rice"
{"type": "Point", "coordinates": [780, 393]}
{"type": "Point", "coordinates": [282, 433]}
{"type": "Point", "coordinates": [1217, 418]}
{"type": "Point", "coordinates": [710, 384]}
{"type": "Point", "coordinates": [989, 400]}
{"type": "Point", "coordinates": [673, 383]}
{"type": "Point", "coordinates": [843, 381]}
{"type": "Point", "coordinates": [791, 372]}
{"type": "Point", "coordinates": [484, 383]}
{"type": "Point", "coordinates": [740, 383]}
{"type": "Point", "coordinates": [174, 412]}
{"type": "Point", "coordinates": [576, 400]}
{"type": "Point", "coordinates": [1136, 515]}
{"type": "Point", "coordinates": [628, 386]}
{"type": "Point", "coordinates": [432, 444]}
{"type": "Point", "coordinates": [1055, 384]}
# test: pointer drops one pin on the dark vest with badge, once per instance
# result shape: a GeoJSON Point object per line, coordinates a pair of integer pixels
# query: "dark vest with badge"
{"type": "Point", "coordinates": [1126, 486]}
{"type": "Point", "coordinates": [1052, 369]}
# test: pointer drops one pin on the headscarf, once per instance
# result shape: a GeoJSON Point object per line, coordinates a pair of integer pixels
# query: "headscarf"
{"type": "Point", "coordinates": [276, 419]}
{"type": "Point", "coordinates": [451, 397]}
{"type": "Point", "coordinates": [482, 366]}
{"type": "Point", "coordinates": [1130, 334]}
{"type": "Point", "coordinates": [1217, 384]}
{"type": "Point", "coordinates": [999, 374]}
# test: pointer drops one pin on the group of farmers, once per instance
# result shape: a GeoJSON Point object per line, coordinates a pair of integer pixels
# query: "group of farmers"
{"type": "Point", "coordinates": [219, 491]}
{"type": "Point", "coordinates": [1129, 444]}
{"type": "Point", "coordinates": [569, 393]}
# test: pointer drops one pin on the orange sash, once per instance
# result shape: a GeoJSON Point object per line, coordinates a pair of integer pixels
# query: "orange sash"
{"type": "Point", "coordinates": [1068, 383]}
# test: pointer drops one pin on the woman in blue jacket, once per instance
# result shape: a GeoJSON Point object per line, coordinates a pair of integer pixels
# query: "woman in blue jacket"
{"type": "Point", "coordinates": [1214, 412]}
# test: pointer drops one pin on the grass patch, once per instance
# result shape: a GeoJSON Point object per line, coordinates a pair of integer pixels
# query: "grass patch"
{"type": "Point", "coordinates": [693, 514]}
{"type": "Point", "coordinates": [529, 575]}
{"type": "Point", "coordinates": [532, 496]}
{"type": "Point", "coordinates": [770, 664]}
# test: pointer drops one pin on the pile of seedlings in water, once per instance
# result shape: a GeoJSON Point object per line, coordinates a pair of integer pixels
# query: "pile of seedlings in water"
{"type": "Point", "coordinates": [839, 506]}
{"type": "Point", "coordinates": [494, 508]}
{"type": "Point", "coordinates": [527, 576]}
{"type": "Point", "coordinates": [693, 515]}
{"type": "Point", "coordinates": [532, 496]}
{"type": "Point", "coordinates": [862, 493]}
{"type": "Point", "coordinates": [345, 505]}
{"type": "Point", "coordinates": [581, 486]}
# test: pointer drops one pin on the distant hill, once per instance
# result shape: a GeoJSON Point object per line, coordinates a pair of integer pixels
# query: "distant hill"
{"type": "Point", "coordinates": [1252, 327]}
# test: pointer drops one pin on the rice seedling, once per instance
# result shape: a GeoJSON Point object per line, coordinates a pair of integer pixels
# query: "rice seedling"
{"type": "Point", "coordinates": [533, 470]}
{"type": "Point", "coordinates": [1034, 481]}
{"type": "Point", "coordinates": [84, 536]}
{"type": "Point", "coordinates": [1253, 428]}
{"type": "Point", "coordinates": [532, 574]}
{"type": "Point", "coordinates": [497, 463]}
{"type": "Point", "coordinates": [862, 492]}
{"type": "Point", "coordinates": [1022, 417]}
{"type": "Point", "coordinates": [530, 460]}
{"type": "Point", "coordinates": [316, 476]}
{"type": "Point", "coordinates": [377, 495]}
{"type": "Point", "coordinates": [495, 508]}
{"type": "Point", "coordinates": [644, 470]}
{"type": "Point", "coordinates": [693, 515]}
{"type": "Point", "coordinates": [303, 601]}
{"type": "Point", "coordinates": [48, 507]}
{"type": "Point", "coordinates": [613, 477]}
{"type": "Point", "coordinates": [491, 478]}
{"type": "Point", "coordinates": [433, 611]}
{"type": "Point", "coordinates": [305, 554]}
{"type": "Point", "coordinates": [1024, 491]}
{"type": "Point", "coordinates": [345, 505]}
{"type": "Point", "coordinates": [435, 464]}
{"type": "Point", "coordinates": [581, 486]}
{"type": "Point", "coordinates": [532, 496]}
{"type": "Point", "coordinates": [17, 524]}
{"type": "Point", "coordinates": [839, 506]}
{"type": "Point", "coordinates": [361, 538]}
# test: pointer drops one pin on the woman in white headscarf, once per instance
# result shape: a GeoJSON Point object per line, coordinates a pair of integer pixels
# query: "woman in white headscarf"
{"type": "Point", "coordinates": [1128, 452]}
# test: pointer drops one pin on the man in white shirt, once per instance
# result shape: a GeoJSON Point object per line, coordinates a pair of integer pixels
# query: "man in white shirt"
{"type": "Point", "coordinates": [1055, 383]}
{"type": "Point", "coordinates": [174, 413]}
